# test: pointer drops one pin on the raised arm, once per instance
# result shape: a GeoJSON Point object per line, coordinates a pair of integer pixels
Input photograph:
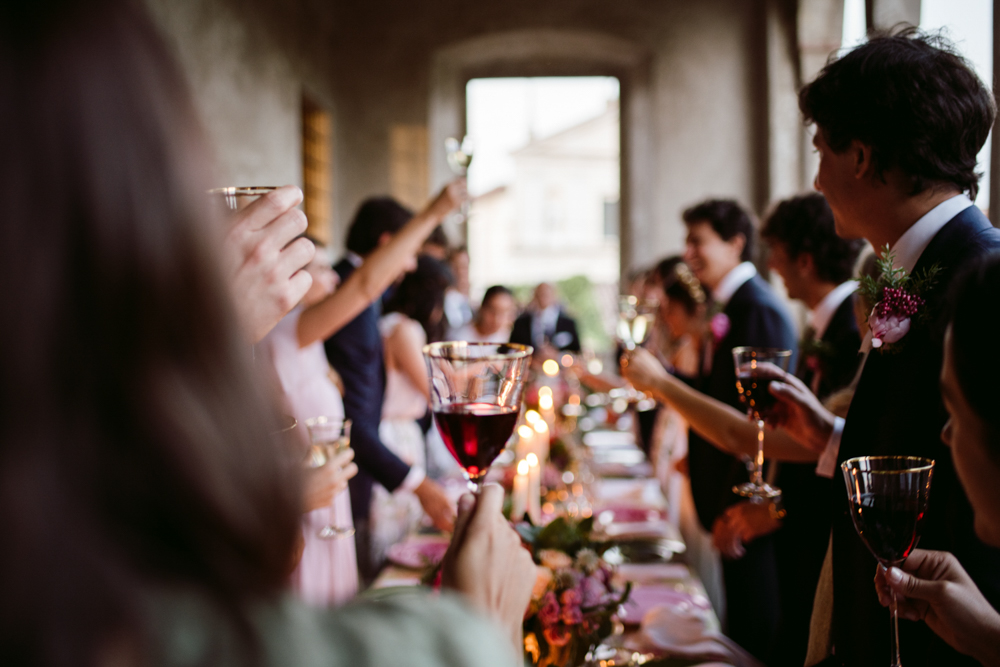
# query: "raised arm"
{"type": "Point", "coordinates": [405, 347]}
{"type": "Point", "coordinates": [383, 266]}
{"type": "Point", "coordinates": [723, 425]}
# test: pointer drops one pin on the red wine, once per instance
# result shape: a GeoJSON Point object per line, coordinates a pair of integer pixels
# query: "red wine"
{"type": "Point", "coordinates": [754, 387]}
{"type": "Point", "coordinates": [890, 527]}
{"type": "Point", "coordinates": [475, 433]}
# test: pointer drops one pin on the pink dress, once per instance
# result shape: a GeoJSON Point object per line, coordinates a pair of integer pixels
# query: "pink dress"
{"type": "Point", "coordinates": [328, 571]}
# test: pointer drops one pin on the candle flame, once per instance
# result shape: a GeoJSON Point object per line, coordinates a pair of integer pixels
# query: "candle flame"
{"type": "Point", "coordinates": [524, 431]}
{"type": "Point", "coordinates": [545, 391]}
{"type": "Point", "coordinates": [545, 402]}
{"type": "Point", "coordinates": [531, 459]}
{"type": "Point", "coordinates": [531, 416]}
{"type": "Point", "coordinates": [550, 367]}
{"type": "Point", "coordinates": [541, 426]}
{"type": "Point", "coordinates": [522, 466]}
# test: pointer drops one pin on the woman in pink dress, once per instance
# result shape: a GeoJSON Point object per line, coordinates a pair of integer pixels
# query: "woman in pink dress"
{"type": "Point", "coordinates": [327, 573]}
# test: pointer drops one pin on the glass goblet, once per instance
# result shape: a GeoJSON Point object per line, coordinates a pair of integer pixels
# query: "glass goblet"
{"type": "Point", "coordinates": [756, 368]}
{"type": "Point", "coordinates": [476, 394]}
{"type": "Point", "coordinates": [328, 437]}
{"type": "Point", "coordinates": [888, 496]}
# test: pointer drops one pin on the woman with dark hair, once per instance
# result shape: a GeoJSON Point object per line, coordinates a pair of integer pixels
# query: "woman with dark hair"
{"type": "Point", "coordinates": [493, 320]}
{"type": "Point", "coordinates": [147, 515]}
{"type": "Point", "coordinates": [414, 317]}
{"type": "Point", "coordinates": [932, 586]}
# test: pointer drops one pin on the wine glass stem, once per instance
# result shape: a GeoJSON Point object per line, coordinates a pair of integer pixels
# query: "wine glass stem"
{"type": "Point", "coordinates": [758, 464]}
{"type": "Point", "coordinates": [895, 624]}
{"type": "Point", "coordinates": [476, 485]}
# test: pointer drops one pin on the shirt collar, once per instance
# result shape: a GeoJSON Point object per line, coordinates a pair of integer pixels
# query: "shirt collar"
{"type": "Point", "coordinates": [915, 240]}
{"type": "Point", "coordinates": [819, 318]}
{"type": "Point", "coordinates": [732, 281]}
{"type": "Point", "coordinates": [354, 258]}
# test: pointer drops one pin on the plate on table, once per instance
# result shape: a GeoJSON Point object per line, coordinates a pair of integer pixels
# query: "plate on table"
{"type": "Point", "coordinates": [624, 513]}
{"type": "Point", "coordinates": [417, 554]}
{"type": "Point", "coordinates": [609, 439]}
{"type": "Point", "coordinates": [644, 599]}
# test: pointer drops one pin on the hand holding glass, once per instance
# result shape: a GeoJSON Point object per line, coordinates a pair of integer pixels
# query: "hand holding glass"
{"type": "Point", "coordinates": [888, 496]}
{"type": "Point", "coordinates": [328, 437]}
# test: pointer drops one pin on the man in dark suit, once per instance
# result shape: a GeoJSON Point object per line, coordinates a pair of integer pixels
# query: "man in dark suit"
{"type": "Point", "coordinates": [719, 247]}
{"type": "Point", "coordinates": [900, 121]}
{"type": "Point", "coordinates": [356, 353]}
{"type": "Point", "coordinates": [544, 324]}
{"type": "Point", "coordinates": [815, 265]}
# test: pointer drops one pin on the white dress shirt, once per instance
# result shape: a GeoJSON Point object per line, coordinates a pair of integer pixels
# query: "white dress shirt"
{"type": "Point", "coordinates": [907, 250]}
{"type": "Point", "coordinates": [732, 281]}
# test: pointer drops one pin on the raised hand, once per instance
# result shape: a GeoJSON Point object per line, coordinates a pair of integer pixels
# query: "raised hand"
{"type": "Point", "coordinates": [933, 587]}
{"type": "Point", "coordinates": [264, 261]}
{"type": "Point", "coordinates": [487, 563]}
{"type": "Point", "coordinates": [801, 414]}
{"type": "Point", "coordinates": [643, 370]}
{"type": "Point", "coordinates": [741, 524]}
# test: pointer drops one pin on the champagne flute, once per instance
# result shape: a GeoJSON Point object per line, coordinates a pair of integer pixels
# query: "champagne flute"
{"type": "Point", "coordinates": [756, 368]}
{"type": "Point", "coordinates": [328, 437]}
{"type": "Point", "coordinates": [476, 393]}
{"type": "Point", "coordinates": [888, 496]}
{"type": "Point", "coordinates": [635, 323]}
{"type": "Point", "coordinates": [459, 155]}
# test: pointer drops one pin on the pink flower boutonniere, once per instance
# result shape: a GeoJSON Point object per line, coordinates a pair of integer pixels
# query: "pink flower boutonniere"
{"type": "Point", "coordinates": [894, 299]}
{"type": "Point", "coordinates": [719, 326]}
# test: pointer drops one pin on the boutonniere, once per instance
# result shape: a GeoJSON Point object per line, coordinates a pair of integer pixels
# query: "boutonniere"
{"type": "Point", "coordinates": [895, 299]}
{"type": "Point", "coordinates": [719, 326]}
{"type": "Point", "coordinates": [815, 352]}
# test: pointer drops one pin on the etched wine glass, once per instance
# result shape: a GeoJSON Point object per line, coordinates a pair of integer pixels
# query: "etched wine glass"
{"type": "Point", "coordinates": [328, 437]}
{"type": "Point", "coordinates": [635, 323]}
{"type": "Point", "coordinates": [756, 368]}
{"type": "Point", "coordinates": [459, 155]}
{"type": "Point", "coordinates": [476, 394]}
{"type": "Point", "coordinates": [888, 496]}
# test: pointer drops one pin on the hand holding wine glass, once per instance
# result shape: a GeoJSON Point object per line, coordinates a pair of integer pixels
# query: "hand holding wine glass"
{"type": "Point", "coordinates": [888, 496]}
{"type": "Point", "coordinates": [329, 446]}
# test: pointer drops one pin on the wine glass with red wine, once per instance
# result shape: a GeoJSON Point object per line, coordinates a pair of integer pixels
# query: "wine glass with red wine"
{"type": "Point", "coordinates": [756, 368]}
{"type": "Point", "coordinates": [476, 392]}
{"type": "Point", "coordinates": [888, 496]}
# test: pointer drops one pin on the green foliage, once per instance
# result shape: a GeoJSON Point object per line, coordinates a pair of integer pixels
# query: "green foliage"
{"type": "Point", "coordinates": [562, 534]}
{"type": "Point", "coordinates": [888, 276]}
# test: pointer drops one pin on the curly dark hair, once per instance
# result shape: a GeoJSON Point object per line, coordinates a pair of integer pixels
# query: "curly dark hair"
{"type": "Point", "coordinates": [420, 293]}
{"type": "Point", "coordinates": [805, 224]}
{"type": "Point", "coordinates": [913, 99]}
{"type": "Point", "coordinates": [375, 216]}
{"type": "Point", "coordinates": [727, 219]}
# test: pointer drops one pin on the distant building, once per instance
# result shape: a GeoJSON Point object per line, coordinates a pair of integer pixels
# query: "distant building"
{"type": "Point", "coordinates": [558, 218]}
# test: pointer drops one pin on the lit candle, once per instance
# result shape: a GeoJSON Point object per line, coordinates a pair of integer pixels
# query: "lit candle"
{"type": "Point", "coordinates": [546, 405]}
{"type": "Point", "coordinates": [534, 488]}
{"type": "Point", "coordinates": [525, 441]}
{"type": "Point", "coordinates": [519, 498]}
{"type": "Point", "coordinates": [541, 443]}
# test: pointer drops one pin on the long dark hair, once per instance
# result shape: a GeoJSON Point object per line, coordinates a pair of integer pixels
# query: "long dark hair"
{"type": "Point", "coordinates": [134, 446]}
{"type": "Point", "coordinates": [974, 323]}
{"type": "Point", "coordinates": [420, 296]}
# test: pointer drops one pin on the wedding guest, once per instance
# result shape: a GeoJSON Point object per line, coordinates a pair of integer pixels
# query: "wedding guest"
{"type": "Point", "coordinates": [815, 266]}
{"type": "Point", "coordinates": [327, 572]}
{"type": "Point", "coordinates": [414, 316]}
{"type": "Point", "coordinates": [719, 245]}
{"type": "Point", "coordinates": [457, 308]}
{"type": "Point", "coordinates": [493, 320]}
{"type": "Point", "coordinates": [355, 352]}
{"type": "Point", "coordinates": [436, 244]}
{"type": "Point", "coordinates": [899, 123]}
{"type": "Point", "coordinates": [545, 325]}
{"type": "Point", "coordinates": [148, 517]}
{"type": "Point", "coordinates": [932, 586]}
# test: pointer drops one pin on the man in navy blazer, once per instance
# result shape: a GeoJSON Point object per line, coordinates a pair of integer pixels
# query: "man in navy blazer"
{"type": "Point", "coordinates": [356, 353]}
{"type": "Point", "coordinates": [899, 123]}
{"type": "Point", "coordinates": [816, 267]}
{"type": "Point", "coordinates": [719, 246]}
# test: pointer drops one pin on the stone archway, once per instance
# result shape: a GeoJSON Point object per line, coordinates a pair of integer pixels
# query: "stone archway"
{"type": "Point", "coordinates": [543, 52]}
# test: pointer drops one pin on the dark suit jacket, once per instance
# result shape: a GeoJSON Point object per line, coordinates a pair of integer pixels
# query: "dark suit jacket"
{"type": "Point", "coordinates": [897, 410]}
{"type": "Point", "coordinates": [521, 331]}
{"type": "Point", "coordinates": [800, 545]}
{"type": "Point", "coordinates": [356, 353]}
{"type": "Point", "coordinates": [756, 317]}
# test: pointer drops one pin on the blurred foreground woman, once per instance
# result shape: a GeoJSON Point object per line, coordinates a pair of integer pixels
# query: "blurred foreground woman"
{"type": "Point", "coordinates": [147, 517]}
